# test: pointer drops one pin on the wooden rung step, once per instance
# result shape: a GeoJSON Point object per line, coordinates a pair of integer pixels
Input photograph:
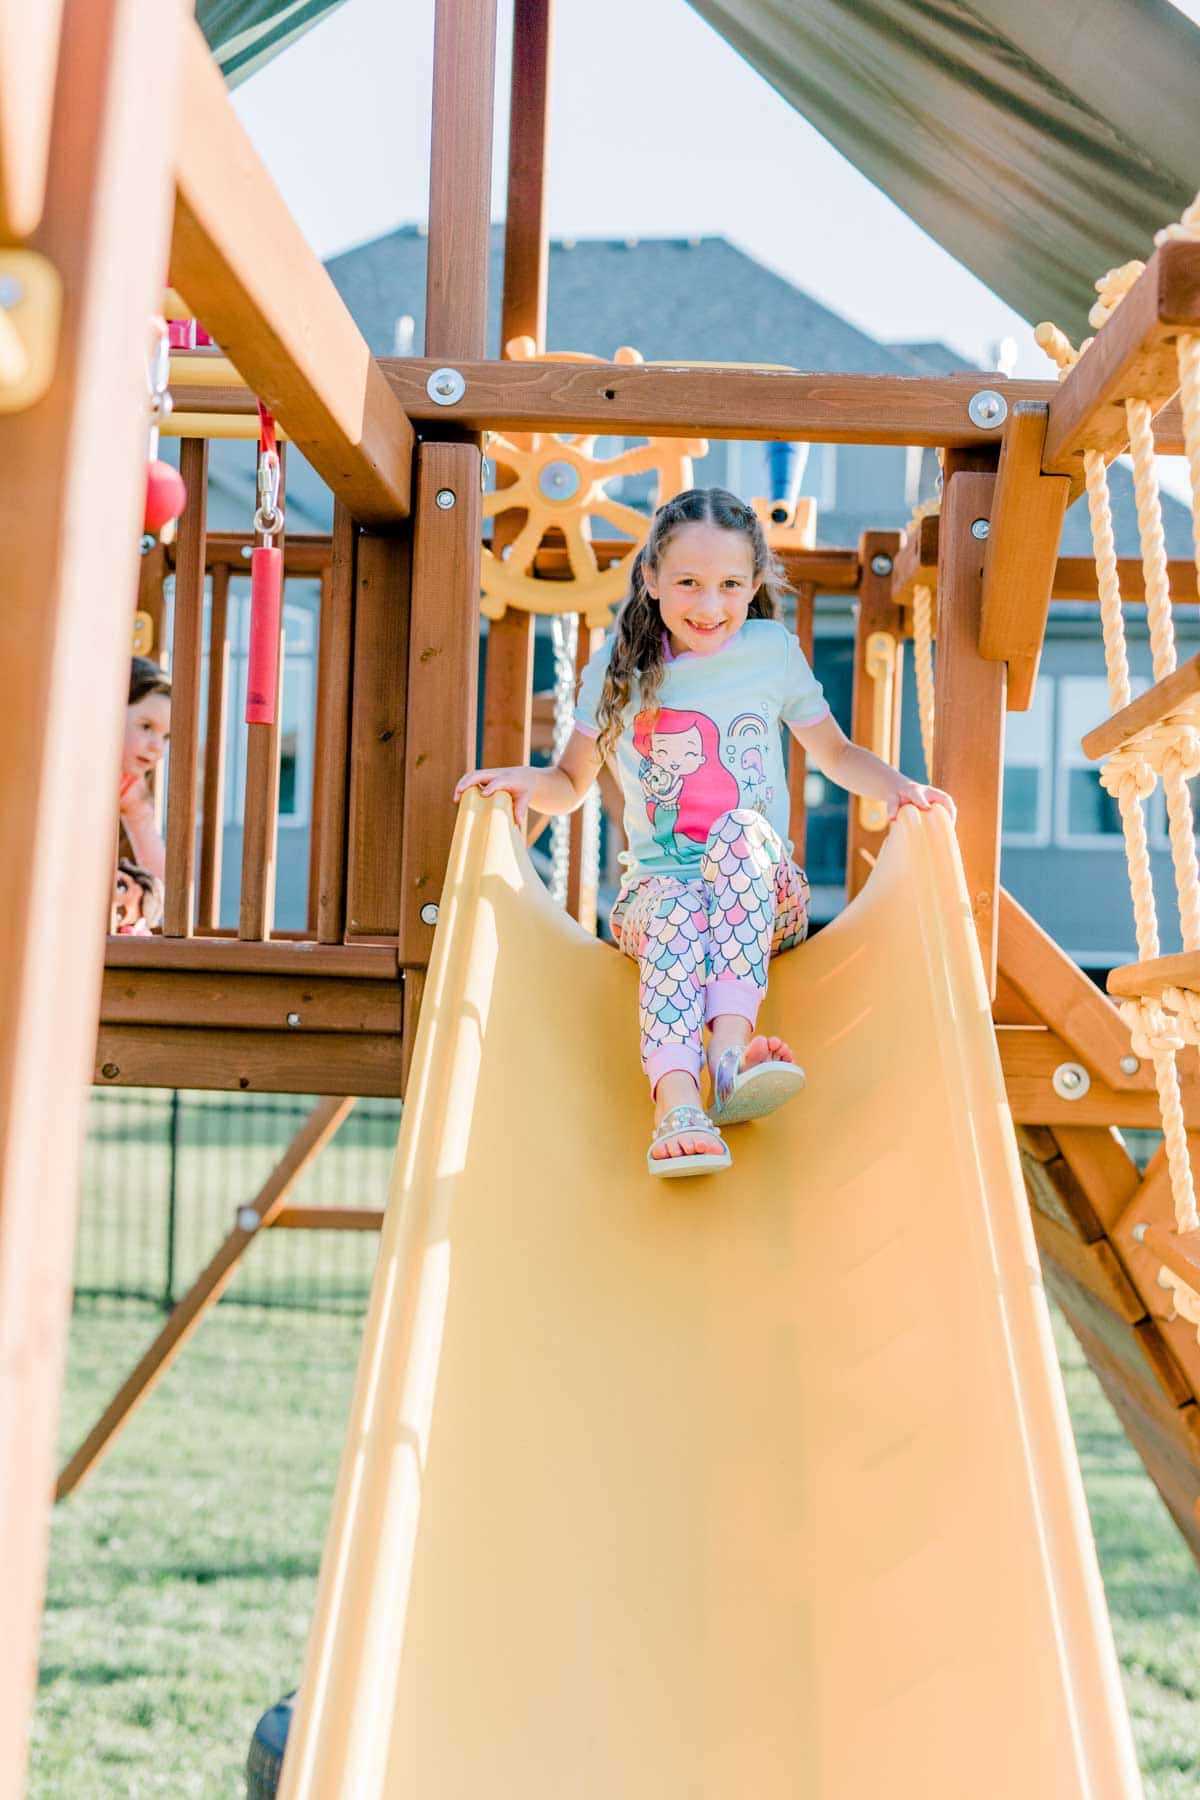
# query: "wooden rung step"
{"type": "Point", "coordinates": [1146, 980]}
{"type": "Point", "coordinates": [1179, 1254]}
{"type": "Point", "coordinates": [1133, 357]}
{"type": "Point", "coordinates": [1167, 696]}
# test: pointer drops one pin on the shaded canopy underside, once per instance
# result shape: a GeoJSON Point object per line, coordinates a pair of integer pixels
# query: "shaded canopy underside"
{"type": "Point", "coordinates": [1040, 144]}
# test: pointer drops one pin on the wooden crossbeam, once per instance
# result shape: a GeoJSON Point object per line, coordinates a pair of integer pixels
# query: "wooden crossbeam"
{"type": "Point", "coordinates": [29, 39]}
{"type": "Point", "coordinates": [304, 553]}
{"type": "Point", "coordinates": [328, 1218]}
{"type": "Point", "coordinates": [653, 400]}
{"type": "Point", "coordinates": [1133, 357]}
{"type": "Point", "coordinates": [242, 264]}
{"type": "Point", "coordinates": [1022, 552]}
{"type": "Point", "coordinates": [1029, 1057]}
{"type": "Point", "coordinates": [1075, 579]}
{"type": "Point", "coordinates": [279, 956]}
{"type": "Point", "coordinates": [206, 1290]}
{"type": "Point", "coordinates": [1180, 688]}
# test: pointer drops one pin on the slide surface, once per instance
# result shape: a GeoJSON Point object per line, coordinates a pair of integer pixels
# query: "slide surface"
{"type": "Point", "coordinates": [752, 1487]}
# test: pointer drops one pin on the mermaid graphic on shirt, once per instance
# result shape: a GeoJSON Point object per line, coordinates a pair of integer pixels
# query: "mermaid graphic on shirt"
{"type": "Point", "coordinates": [683, 781]}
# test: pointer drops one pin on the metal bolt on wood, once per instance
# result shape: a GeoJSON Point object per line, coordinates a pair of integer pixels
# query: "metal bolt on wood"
{"type": "Point", "coordinates": [1130, 1065]}
{"type": "Point", "coordinates": [293, 1018]}
{"type": "Point", "coordinates": [979, 528]}
{"type": "Point", "coordinates": [881, 564]}
{"type": "Point", "coordinates": [445, 498]}
{"type": "Point", "coordinates": [429, 914]}
{"type": "Point", "coordinates": [987, 407]}
{"type": "Point", "coordinates": [1071, 1081]}
{"type": "Point", "coordinates": [445, 387]}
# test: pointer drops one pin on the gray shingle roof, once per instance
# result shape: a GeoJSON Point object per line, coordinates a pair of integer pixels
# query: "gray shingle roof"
{"type": "Point", "coordinates": [700, 298]}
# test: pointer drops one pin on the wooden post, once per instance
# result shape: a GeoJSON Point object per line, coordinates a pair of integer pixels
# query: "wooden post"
{"type": "Point", "coordinates": [71, 503]}
{"type": "Point", "coordinates": [581, 894]}
{"type": "Point", "coordinates": [797, 761]}
{"type": "Point", "coordinates": [260, 805]}
{"type": "Point", "coordinates": [152, 570]}
{"type": "Point", "coordinates": [327, 876]}
{"type": "Point", "coordinates": [208, 912]}
{"type": "Point", "coordinates": [968, 758]}
{"type": "Point", "coordinates": [877, 690]}
{"type": "Point", "coordinates": [377, 735]}
{"type": "Point", "coordinates": [442, 663]}
{"type": "Point", "coordinates": [508, 696]}
{"type": "Point", "coordinates": [187, 636]}
{"type": "Point", "coordinates": [316, 1131]}
{"type": "Point", "coordinates": [444, 618]}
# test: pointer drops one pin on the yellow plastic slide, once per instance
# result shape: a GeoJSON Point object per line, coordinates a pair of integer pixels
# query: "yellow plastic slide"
{"type": "Point", "coordinates": [752, 1487]}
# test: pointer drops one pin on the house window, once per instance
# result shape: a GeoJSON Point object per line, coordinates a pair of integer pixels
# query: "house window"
{"type": "Point", "coordinates": [1087, 815]}
{"type": "Point", "coordinates": [1027, 783]}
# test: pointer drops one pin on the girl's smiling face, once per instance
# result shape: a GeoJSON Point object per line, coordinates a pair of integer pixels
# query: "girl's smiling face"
{"type": "Point", "coordinates": [704, 584]}
{"type": "Point", "coordinates": [677, 752]}
{"type": "Point", "coordinates": [147, 728]}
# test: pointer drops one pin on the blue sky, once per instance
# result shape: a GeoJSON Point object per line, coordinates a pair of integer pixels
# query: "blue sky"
{"type": "Point", "coordinates": [681, 139]}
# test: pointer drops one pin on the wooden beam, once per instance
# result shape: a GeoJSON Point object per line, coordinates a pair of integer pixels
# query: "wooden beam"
{"type": "Point", "coordinates": [378, 728]}
{"type": "Point", "coordinates": [682, 400]}
{"type": "Point", "coordinates": [259, 1062]}
{"type": "Point", "coordinates": [968, 759]}
{"type": "Point", "coordinates": [526, 249]}
{"type": "Point", "coordinates": [460, 183]}
{"type": "Point", "coordinates": [916, 560]}
{"type": "Point", "coordinates": [328, 1218]}
{"type": "Point", "coordinates": [1179, 689]}
{"type": "Point", "coordinates": [304, 553]}
{"type": "Point", "coordinates": [878, 618]}
{"type": "Point", "coordinates": [1132, 357]}
{"type": "Point", "coordinates": [331, 781]}
{"type": "Point", "coordinates": [1029, 1058]}
{"type": "Point", "coordinates": [206, 1290]}
{"type": "Point", "coordinates": [1022, 554]}
{"type": "Point", "coordinates": [231, 955]}
{"type": "Point", "coordinates": [71, 502]}
{"type": "Point", "coordinates": [212, 806]}
{"type": "Point", "coordinates": [242, 264]}
{"type": "Point", "coordinates": [1075, 579]}
{"type": "Point", "coordinates": [249, 1002]}
{"type": "Point", "coordinates": [187, 648]}
{"type": "Point", "coordinates": [29, 40]}
{"type": "Point", "coordinates": [442, 671]}
{"type": "Point", "coordinates": [1061, 996]}
{"type": "Point", "coordinates": [260, 793]}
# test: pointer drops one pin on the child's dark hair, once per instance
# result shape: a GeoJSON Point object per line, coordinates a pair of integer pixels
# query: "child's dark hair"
{"type": "Point", "coordinates": [637, 651]}
{"type": "Point", "coordinates": [146, 677]}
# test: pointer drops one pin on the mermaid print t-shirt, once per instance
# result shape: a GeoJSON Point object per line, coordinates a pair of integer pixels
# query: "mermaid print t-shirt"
{"type": "Point", "coordinates": [711, 743]}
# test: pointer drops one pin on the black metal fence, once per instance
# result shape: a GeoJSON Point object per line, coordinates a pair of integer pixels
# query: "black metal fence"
{"type": "Point", "coordinates": [165, 1172]}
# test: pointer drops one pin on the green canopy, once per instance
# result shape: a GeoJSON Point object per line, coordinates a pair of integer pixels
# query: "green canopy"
{"type": "Point", "coordinates": [244, 34]}
{"type": "Point", "coordinates": [1039, 141]}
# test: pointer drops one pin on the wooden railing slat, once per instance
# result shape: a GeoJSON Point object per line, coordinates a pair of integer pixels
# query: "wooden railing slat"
{"type": "Point", "coordinates": [186, 651]}
{"type": "Point", "coordinates": [327, 879]}
{"type": "Point", "coordinates": [212, 805]}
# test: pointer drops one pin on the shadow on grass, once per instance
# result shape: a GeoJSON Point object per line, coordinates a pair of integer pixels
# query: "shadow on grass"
{"type": "Point", "coordinates": [275, 1568]}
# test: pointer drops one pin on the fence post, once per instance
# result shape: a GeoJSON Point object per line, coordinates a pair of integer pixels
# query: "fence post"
{"type": "Point", "coordinates": [172, 1202]}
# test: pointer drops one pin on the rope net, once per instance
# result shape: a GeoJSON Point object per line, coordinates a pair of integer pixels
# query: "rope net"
{"type": "Point", "coordinates": [1168, 750]}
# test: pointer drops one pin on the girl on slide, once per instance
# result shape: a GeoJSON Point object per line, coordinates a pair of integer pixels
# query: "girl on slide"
{"type": "Point", "coordinates": [147, 729]}
{"type": "Point", "coordinates": [698, 673]}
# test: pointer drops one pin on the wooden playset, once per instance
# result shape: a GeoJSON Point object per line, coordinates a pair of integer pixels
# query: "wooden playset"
{"type": "Point", "coordinates": [121, 159]}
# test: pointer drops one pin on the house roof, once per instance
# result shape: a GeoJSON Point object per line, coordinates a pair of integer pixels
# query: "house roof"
{"type": "Point", "coordinates": [671, 298]}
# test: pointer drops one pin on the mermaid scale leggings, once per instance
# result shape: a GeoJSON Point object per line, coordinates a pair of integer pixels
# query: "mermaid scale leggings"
{"type": "Point", "coordinates": [703, 945]}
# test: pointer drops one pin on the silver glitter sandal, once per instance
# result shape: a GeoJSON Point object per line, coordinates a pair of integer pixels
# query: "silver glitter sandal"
{"type": "Point", "coordinates": [740, 1094]}
{"type": "Point", "coordinates": [680, 1122]}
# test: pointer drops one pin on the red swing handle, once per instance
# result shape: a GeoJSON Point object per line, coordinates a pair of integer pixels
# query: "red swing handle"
{"type": "Point", "coordinates": [266, 583]}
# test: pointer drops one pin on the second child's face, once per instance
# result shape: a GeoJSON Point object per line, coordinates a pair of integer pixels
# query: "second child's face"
{"type": "Point", "coordinates": [704, 584]}
{"type": "Point", "coordinates": [147, 728]}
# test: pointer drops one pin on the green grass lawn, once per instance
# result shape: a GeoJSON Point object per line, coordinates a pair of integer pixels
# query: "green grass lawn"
{"type": "Point", "coordinates": [182, 1574]}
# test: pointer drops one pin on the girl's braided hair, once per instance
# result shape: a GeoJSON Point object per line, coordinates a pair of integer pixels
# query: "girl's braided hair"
{"type": "Point", "coordinates": [637, 651]}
